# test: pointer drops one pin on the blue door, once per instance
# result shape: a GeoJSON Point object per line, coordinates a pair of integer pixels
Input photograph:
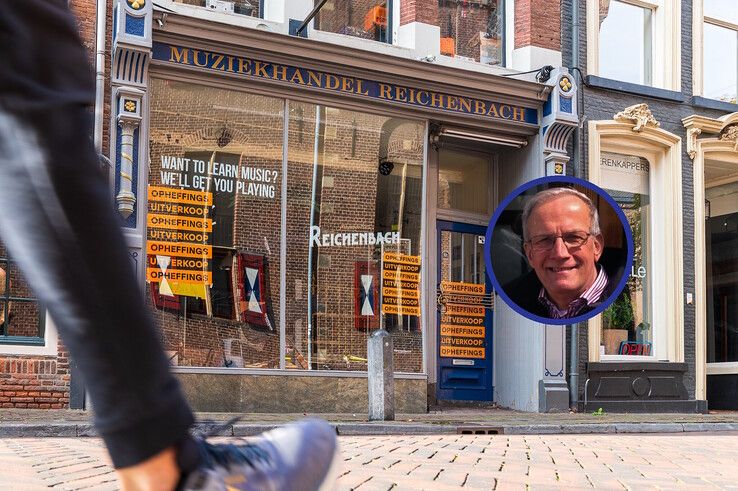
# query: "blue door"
{"type": "Point", "coordinates": [464, 319]}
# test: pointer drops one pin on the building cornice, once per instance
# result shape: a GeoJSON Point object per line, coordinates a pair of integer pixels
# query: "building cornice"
{"type": "Point", "coordinates": [280, 48]}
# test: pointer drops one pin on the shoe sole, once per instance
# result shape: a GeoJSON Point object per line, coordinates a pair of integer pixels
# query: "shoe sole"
{"type": "Point", "coordinates": [329, 482]}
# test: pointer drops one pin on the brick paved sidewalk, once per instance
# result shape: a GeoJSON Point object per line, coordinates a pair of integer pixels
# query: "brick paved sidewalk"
{"type": "Point", "coordinates": [439, 462]}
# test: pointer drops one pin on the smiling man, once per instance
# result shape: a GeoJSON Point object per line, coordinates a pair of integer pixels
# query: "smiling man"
{"type": "Point", "coordinates": [563, 244]}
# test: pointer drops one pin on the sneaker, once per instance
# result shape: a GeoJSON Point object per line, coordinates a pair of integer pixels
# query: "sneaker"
{"type": "Point", "coordinates": [298, 457]}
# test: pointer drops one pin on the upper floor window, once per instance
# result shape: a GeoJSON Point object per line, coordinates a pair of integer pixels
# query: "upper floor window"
{"type": "Point", "coordinates": [720, 50]}
{"type": "Point", "coordinates": [472, 29]}
{"type": "Point", "coordinates": [635, 41]}
{"type": "Point", "coordinates": [368, 20]}
{"type": "Point", "coordinates": [626, 43]}
{"type": "Point", "coordinates": [251, 8]}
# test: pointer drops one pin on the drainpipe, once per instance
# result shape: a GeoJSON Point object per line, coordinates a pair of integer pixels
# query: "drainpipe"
{"type": "Point", "coordinates": [100, 74]}
{"type": "Point", "coordinates": [574, 328]}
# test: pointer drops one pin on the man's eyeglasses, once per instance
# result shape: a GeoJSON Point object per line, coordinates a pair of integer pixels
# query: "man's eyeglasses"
{"type": "Point", "coordinates": [572, 240]}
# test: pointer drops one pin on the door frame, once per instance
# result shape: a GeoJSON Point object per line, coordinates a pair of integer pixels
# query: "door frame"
{"type": "Point", "coordinates": [480, 230]}
{"type": "Point", "coordinates": [433, 213]}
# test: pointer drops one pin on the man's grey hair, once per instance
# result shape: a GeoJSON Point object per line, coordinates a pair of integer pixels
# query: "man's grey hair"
{"type": "Point", "coordinates": [547, 195]}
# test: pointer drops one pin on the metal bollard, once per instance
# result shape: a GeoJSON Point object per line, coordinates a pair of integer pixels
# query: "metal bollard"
{"type": "Point", "coordinates": [381, 376]}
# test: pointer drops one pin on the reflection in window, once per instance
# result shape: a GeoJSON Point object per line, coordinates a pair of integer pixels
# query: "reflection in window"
{"type": "Point", "coordinates": [463, 181]}
{"type": "Point", "coordinates": [225, 146]}
{"type": "Point", "coordinates": [721, 236]}
{"type": "Point", "coordinates": [355, 187]}
{"type": "Point", "coordinates": [627, 323]}
{"type": "Point", "coordinates": [366, 19]}
{"type": "Point", "coordinates": [21, 319]}
{"type": "Point", "coordinates": [720, 55]}
{"type": "Point", "coordinates": [625, 47]}
{"type": "Point", "coordinates": [242, 7]}
{"type": "Point", "coordinates": [472, 29]}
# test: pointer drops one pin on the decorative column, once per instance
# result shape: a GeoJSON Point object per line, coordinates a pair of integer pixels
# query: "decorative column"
{"type": "Point", "coordinates": [129, 121]}
{"type": "Point", "coordinates": [132, 40]}
{"type": "Point", "coordinates": [560, 119]}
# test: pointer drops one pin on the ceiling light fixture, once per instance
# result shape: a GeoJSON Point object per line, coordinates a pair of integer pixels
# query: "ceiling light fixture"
{"type": "Point", "coordinates": [510, 141]}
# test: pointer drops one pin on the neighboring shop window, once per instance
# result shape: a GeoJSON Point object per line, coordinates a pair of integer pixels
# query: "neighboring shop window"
{"type": "Point", "coordinates": [627, 323]}
{"type": "Point", "coordinates": [243, 7]}
{"type": "Point", "coordinates": [214, 218]}
{"type": "Point", "coordinates": [721, 237]}
{"type": "Point", "coordinates": [358, 18]}
{"type": "Point", "coordinates": [472, 29]}
{"type": "Point", "coordinates": [626, 38]}
{"type": "Point", "coordinates": [354, 191]}
{"type": "Point", "coordinates": [21, 320]}
{"type": "Point", "coordinates": [720, 50]}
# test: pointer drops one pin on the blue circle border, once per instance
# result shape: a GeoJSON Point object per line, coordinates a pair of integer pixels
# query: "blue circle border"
{"type": "Point", "coordinates": [501, 208]}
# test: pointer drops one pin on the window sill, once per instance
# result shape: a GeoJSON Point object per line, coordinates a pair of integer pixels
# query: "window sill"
{"type": "Point", "coordinates": [631, 88]}
{"type": "Point", "coordinates": [706, 103]}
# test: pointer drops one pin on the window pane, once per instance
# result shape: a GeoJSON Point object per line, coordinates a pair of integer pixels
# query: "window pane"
{"type": "Point", "coordinates": [627, 323]}
{"type": "Point", "coordinates": [355, 185]}
{"type": "Point", "coordinates": [20, 314]}
{"type": "Point", "coordinates": [463, 181]}
{"type": "Point", "coordinates": [625, 44]}
{"type": "Point", "coordinates": [472, 30]}
{"type": "Point", "coordinates": [721, 237]}
{"type": "Point", "coordinates": [726, 10]}
{"type": "Point", "coordinates": [242, 7]}
{"type": "Point", "coordinates": [362, 19]}
{"type": "Point", "coordinates": [720, 63]}
{"type": "Point", "coordinates": [226, 147]}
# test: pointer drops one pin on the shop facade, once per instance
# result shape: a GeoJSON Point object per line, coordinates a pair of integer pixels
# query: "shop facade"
{"type": "Point", "coordinates": [283, 198]}
{"type": "Point", "coordinates": [660, 136]}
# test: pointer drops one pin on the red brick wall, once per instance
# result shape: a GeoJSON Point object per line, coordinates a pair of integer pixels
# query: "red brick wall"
{"type": "Point", "coordinates": [42, 382]}
{"type": "Point", "coordinates": [537, 23]}
{"type": "Point", "coordinates": [35, 382]}
{"type": "Point", "coordinates": [425, 11]}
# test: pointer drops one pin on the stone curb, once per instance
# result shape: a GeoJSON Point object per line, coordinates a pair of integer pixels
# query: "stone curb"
{"type": "Point", "coordinates": [41, 430]}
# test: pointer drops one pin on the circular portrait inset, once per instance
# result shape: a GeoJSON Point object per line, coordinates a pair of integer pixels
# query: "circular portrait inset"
{"type": "Point", "coordinates": [558, 250]}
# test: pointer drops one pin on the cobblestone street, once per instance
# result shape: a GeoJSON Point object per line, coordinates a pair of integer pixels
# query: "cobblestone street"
{"type": "Point", "coordinates": [605, 461]}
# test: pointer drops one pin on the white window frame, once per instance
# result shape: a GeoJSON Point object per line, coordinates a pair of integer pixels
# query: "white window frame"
{"type": "Point", "coordinates": [663, 152]}
{"type": "Point", "coordinates": [49, 347]}
{"type": "Point", "coordinates": [698, 44]}
{"type": "Point", "coordinates": [666, 43]}
{"type": "Point", "coordinates": [707, 148]}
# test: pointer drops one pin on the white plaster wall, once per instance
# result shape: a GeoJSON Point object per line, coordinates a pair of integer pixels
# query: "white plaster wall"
{"type": "Point", "coordinates": [518, 342]}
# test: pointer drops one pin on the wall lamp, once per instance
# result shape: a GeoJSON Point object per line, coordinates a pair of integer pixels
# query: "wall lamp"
{"type": "Point", "coordinates": [506, 140]}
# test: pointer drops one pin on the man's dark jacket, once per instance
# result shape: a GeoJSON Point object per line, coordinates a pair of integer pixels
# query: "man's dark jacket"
{"type": "Point", "coordinates": [524, 292]}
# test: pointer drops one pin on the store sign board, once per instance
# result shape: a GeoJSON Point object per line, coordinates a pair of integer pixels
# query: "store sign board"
{"type": "Point", "coordinates": [400, 310]}
{"type": "Point", "coordinates": [462, 322]}
{"type": "Point", "coordinates": [462, 352]}
{"type": "Point", "coordinates": [315, 79]}
{"type": "Point", "coordinates": [400, 284]}
{"type": "Point", "coordinates": [178, 254]}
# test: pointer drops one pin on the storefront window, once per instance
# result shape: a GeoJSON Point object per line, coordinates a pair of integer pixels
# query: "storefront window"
{"type": "Point", "coordinates": [243, 7]}
{"type": "Point", "coordinates": [721, 236]}
{"type": "Point", "coordinates": [214, 222]}
{"type": "Point", "coordinates": [627, 323]}
{"type": "Point", "coordinates": [463, 181]}
{"type": "Point", "coordinates": [626, 42]}
{"type": "Point", "coordinates": [355, 186]}
{"type": "Point", "coordinates": [472, 29]}
{"type": "Point", "coordinates": [358, 18]}
{"type": "Point", "coordinates": [21, 319]}
{"type": "Point", "coordinates": [215, 231]}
